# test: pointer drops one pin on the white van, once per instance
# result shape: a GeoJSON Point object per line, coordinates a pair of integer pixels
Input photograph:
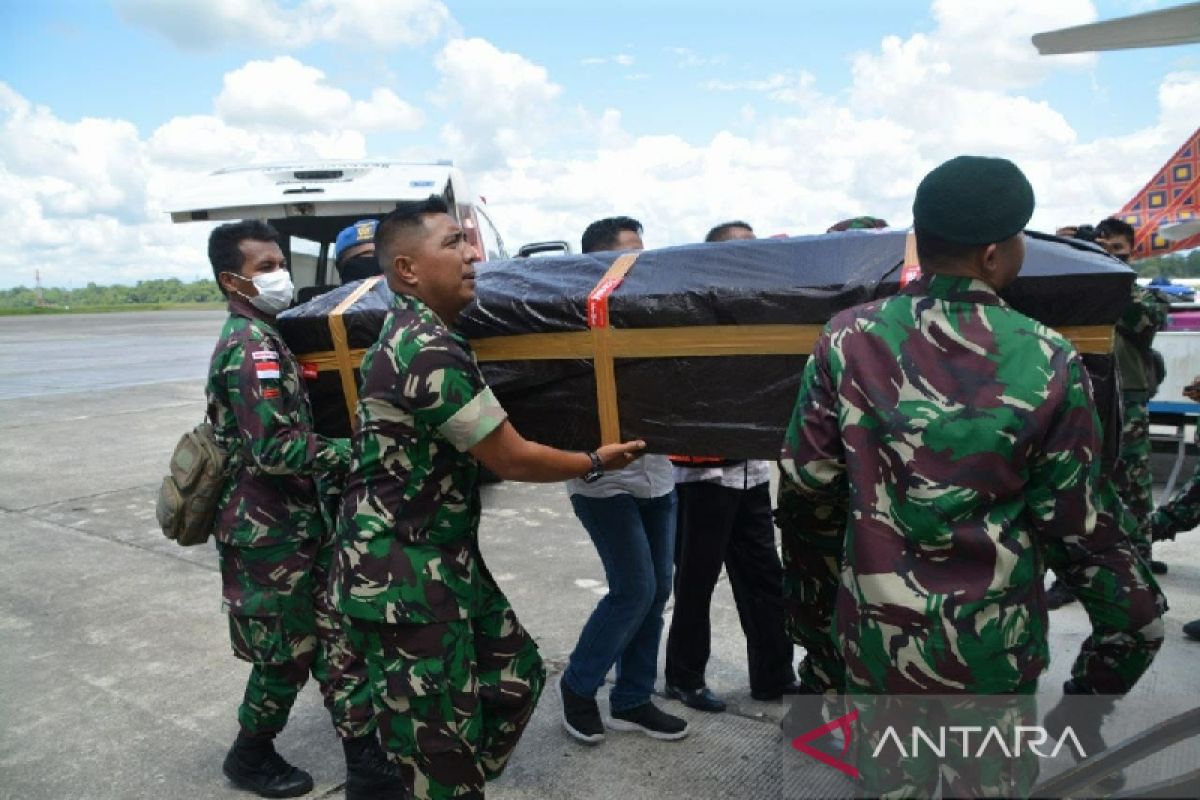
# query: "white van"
{"type": "Point", "coordinates": [310, 203]}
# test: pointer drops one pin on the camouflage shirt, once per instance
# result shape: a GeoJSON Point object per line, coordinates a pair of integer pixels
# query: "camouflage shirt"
{"type": "Point", "coordinates": [1145, 315]}
{"type": "Point", "coordinates": [260, 414]}
{"type": "Point", "coordinates": [408, 531]}
{"type": "Point", "coordinates": [951, 434]}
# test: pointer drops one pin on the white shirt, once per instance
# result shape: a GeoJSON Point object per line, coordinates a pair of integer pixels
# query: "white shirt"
{"type": "Point", "coordinates": [649, 476]}
{"type": "Point", "coordinates": [743, 475]}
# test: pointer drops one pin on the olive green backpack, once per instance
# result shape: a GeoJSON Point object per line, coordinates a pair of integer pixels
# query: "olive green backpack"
{"type": "Point", "coordinates": [188, 498]}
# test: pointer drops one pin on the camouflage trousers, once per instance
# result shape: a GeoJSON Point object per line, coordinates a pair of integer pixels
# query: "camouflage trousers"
{"type": "Point", "coordinates": [451, 698]}
{"type": "Point", "coordinates": [1124, 603]}
{"type": "Point", "coordinates": [282, 622]}
{"type": "Point", "coordinates": [811, 541]}
{"type": "Point", "coordinates": [896, 762]}
{"type": "Point", "coordinates": [1132, 472]}
{"type": "Point", "coordinates": [1182, 512]}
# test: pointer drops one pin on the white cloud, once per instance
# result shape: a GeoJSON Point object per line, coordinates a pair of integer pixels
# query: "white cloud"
{"type": "Point", "coordinates": [689, 59]}
{"type": "Point", "coordinates": [812, 159]}
{"type": "Point", "coordinates": [620, 59]}
{"type": "Point", "coordinates": [203, 24]}
{"type": "Point", "coordinates": [500, 104]}
{"type": "Point", "coordinates": [284, 93]}
{"type": "Point", "coordinates": [785, 87]}
{"type": "Point", "coordinates": [84, 198]}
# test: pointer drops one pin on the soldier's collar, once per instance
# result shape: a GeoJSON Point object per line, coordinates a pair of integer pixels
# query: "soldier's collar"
{"type": "Point", "coordinates": [243, 308]}
{"type": "Point", "coordinates": [956, 287]}
{"type": "Point", "coordinates": [417, 305]}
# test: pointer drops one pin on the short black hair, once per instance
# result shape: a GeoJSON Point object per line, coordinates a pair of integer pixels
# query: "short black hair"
{"type": "Point", "coordinates": [407, 217]}
{"type": "Point", "coordinates": [717, 234]}
{"type": "Point", "coordinates": [1108, 228]}
{"type": "Point", "coordinates": [936, 253]}
{"type": "Point", "coordinates": [603, 233]}
{"type": "Point", "coordinates": [224, 252]}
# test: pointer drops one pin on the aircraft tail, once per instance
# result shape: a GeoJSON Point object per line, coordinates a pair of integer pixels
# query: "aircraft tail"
{"type": "Point", "coordinates": [1170, 197]}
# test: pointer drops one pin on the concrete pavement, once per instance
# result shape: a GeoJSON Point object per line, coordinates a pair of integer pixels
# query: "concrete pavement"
{"type": "Point", "coordinates": [116, 679]}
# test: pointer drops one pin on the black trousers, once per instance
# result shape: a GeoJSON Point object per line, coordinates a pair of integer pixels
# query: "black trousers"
{"type": "Point", "coordinates": [719, 525]}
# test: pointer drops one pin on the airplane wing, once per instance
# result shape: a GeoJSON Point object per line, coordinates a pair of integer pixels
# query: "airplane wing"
{"type": "Point", "coordinates": [1165, 212]}
{"type": "Point", "coordinates": [1178, 25]}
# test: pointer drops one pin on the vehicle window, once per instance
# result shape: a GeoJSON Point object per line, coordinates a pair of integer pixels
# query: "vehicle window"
{"type": "Point", "coordinates": [493, 245]}
{"type": "Point", "coordinates": [470, 226]}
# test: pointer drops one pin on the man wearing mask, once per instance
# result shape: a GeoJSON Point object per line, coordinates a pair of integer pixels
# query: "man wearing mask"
{"type": "Point", "coordinates": [354, 251]}
{"type": "Point", "coordinates": [274, 542]}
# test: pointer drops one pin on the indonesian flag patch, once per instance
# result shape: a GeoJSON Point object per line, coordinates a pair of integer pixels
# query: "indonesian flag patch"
{"type": "Point", "coordinates": [266, 364]}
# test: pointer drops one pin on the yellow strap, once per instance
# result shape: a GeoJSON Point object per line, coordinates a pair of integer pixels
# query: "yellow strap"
{"type": "Point", "coordinates": [708, 340]}
{"type": "Point", "coordinates": [602, 348]}
{"type": "Point", "coordinates": [341, 347]}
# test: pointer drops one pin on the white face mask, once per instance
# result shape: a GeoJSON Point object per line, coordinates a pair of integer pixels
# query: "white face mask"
{"type": "Point", "coordinates": [275, 291]}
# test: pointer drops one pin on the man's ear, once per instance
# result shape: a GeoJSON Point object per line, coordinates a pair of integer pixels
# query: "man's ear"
{"type": "Point", "coordinates": [403, 268]}
{"type": "Point", "coordinates": [988, 263]}
{"type": "Point", "coordinates": [229, 283]}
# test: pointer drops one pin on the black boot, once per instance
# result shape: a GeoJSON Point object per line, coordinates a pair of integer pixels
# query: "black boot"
{"type": "Point", "coordinates": [253, 765]}
{"type": "Point", "coordinates": [369, 773]}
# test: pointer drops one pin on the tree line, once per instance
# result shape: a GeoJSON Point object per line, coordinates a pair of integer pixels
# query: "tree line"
{"type": "Point", "coordinates": [1183, 265]}
{"type": "Point", "coordinates": [159, 291]}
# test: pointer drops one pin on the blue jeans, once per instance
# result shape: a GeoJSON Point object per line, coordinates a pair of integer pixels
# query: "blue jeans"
{"type": "Point", "coordinates": [636, 541]}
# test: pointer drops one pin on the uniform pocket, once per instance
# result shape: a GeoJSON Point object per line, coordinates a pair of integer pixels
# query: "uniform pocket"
{"type": "Point", "coordinates": [259, 640]}
{"type": "Point", "coordinates": [419, 677]}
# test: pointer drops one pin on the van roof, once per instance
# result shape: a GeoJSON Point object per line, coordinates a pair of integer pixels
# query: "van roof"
{"type": "Point", "coordinates": [344, 188]}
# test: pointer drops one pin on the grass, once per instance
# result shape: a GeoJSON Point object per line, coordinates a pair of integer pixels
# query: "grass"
{"type": "Point", "coordinates": [31, 311]}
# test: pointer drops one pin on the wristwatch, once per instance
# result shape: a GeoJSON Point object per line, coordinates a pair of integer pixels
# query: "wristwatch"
{"type": "Point", "coordinates": [593, 474]}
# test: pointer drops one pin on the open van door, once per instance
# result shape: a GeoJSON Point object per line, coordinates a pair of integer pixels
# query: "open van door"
{"type": "Point", "coordinates": [310, 203]}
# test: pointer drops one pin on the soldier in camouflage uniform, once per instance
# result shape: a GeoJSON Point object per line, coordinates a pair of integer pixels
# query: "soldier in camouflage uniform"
{"type": "Point", "coordinates": [1182, 512]}
{"type": "Point", "coordinates": [811, 561]}
{"type": "Point", "coordinates": [952, 440]}
{"type": "Point", "coordinates": [274, 542]}
{"type": "Point", "coordinates": [454, 677]}
{"type": "Point", "coordinates": [1143, 318]}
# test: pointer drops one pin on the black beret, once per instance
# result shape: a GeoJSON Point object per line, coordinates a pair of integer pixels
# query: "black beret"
{"type": "Point", "coordinates": [973, 200]}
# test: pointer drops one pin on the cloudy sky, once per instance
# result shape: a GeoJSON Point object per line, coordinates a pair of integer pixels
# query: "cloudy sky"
{"type": "Point", "coordinates": [682, 113]}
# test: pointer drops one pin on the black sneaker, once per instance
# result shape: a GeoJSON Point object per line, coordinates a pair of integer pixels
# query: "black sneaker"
{"type": "Point", "coordinates": [1058, 596]}
{"type": "Point", "coordinates": [1158, 567]}
{"type": "Point", "coordinates": [1192, 629]}
{"type": "Point", "coordinates": [701, 699]}
{"type": "Point", "coordinates": [252, 764]}
{"type": "Point", "coordinates": [650, 720]}
{"type": "Point", "coordinates": [580, 715]}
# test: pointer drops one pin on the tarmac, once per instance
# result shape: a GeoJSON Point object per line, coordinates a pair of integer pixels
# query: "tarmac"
{"type": "Point", "coordinates": [116, 678]}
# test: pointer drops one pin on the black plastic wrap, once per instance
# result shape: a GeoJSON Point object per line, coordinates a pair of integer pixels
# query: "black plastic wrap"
{"type": "Point", "coordinates": [305, 328]}
{"type": "Point", "coordinates": [732, 406]}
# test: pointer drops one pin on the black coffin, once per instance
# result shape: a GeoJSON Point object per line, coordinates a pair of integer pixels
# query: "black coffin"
{"type": "Point", "coordinates": [732, 406]}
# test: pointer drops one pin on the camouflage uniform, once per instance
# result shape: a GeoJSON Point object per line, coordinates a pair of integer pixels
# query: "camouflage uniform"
{"type": "Point", "coordinates": [1143, 317]}
{"type": "Point", "coordinates": [274, 542]}
{"type": "Point", "coordinates": [454, 676]}
{"type": "Point", "coordinates": [1182, 512]}
{"type": "Point", "coordinates": [953, 440]}
{"type": "Point", "coordinates": [812, 558]}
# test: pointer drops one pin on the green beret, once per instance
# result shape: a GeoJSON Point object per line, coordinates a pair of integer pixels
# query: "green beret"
{"type": "Point", "coordinates": [973, 200]}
